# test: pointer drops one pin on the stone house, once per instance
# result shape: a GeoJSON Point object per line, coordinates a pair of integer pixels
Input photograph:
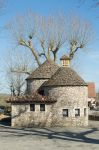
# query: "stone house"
{"type": "Point", "coordinates": [56, 96]}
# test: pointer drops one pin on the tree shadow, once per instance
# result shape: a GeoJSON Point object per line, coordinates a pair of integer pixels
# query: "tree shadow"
{"type": "Point", "coordinates": [52, 134]}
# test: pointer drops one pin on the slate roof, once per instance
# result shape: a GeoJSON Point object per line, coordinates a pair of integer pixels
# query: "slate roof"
{"type": "Point", "coordinates": [34, 98]}
{"type": "Point", "coordinates": [45, 71]}
{"type": "Point", "coordinates": [91, 90]}
{"type": "Point", "coordinates": [65, 76]}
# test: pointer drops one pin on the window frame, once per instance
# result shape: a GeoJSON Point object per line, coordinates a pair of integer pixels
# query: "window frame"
{"type": "Point", "coordinates": [77, 114]}
{"type": "Point", "coordinates": [41, 107]}
{"type": "Point", "coordinates": [32, 107]}
{"type": "Point", "coordinates": [65, 112]}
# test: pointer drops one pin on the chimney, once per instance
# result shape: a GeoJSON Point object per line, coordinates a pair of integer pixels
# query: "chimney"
{"type": "Point", "coordinates": [65, 61]}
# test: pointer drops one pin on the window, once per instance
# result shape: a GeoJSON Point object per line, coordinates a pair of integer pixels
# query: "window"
{"type": "Point", "coordinates": [77, 112]}
{"type": "Point", "coordinates": [32, 107]}
{"type": "Point", "coordinates": [65, 112]}
{"type": "Point", "coordinates": [42, 107]}
{"type": "Point", "coordinates": [84, 111]}
{"type": "Point", "coordinates": [41, 92]}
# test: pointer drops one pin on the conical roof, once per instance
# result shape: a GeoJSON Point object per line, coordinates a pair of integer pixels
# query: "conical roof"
{"type": "Point", "coordinates": [45, 71]}
{"type": "Point", "coordinates": [65, 76]}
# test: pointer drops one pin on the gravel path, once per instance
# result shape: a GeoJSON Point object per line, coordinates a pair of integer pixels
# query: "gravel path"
{"type": "Point", "coordinates": [50, 139]}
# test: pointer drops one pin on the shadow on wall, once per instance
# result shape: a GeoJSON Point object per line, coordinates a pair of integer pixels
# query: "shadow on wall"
{"type": "Point", "coordinates": [52, 134]}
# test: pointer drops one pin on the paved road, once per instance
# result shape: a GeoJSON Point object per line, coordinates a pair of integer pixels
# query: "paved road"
{"type": "Point", "coordinates": [50, 139]}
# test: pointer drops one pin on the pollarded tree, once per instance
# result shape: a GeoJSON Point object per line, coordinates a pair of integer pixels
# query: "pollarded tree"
{"type": "Point", "coordinates": [79, 34]}
{"type": "Point", "coordinates": [47, 32]}
{"type": "Point", "coordinates": [45, 35]}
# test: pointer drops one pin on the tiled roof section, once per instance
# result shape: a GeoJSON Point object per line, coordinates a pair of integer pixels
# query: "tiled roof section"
{"type": "Point", "coordinates": [65, 76]}
{"type": "Point", "coordinates": [91, 90]}
{"type": "Point", "coordinates": [34, 98]}
{"type": "Point", "coordinates": [64, 57]}
{"type": "Point", "coordinates": [45, 71]}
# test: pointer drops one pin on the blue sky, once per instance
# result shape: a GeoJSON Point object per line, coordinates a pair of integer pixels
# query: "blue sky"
{"type": "Point", "coordinates": [87, 63]}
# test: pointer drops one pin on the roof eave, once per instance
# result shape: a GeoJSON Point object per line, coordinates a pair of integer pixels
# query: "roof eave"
{"type": "Point", "coordinates": [63, 85]}
{"type": "Point", "coordinates": [31, 102]}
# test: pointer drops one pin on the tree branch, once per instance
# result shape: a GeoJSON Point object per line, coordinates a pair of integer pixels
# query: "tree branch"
{"type": "Point", "coordinates": [23, 43]}
{"type": "Point", "coordinates": [72, 52]}
{"type": "Point", "coordinates": [19, 71]}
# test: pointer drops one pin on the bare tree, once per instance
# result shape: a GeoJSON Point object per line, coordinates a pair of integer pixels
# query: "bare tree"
{"type": "Point", "coordinates": [17, 63]}
{"type": "Point", "coordinates": [45, 36]}
{"type": "Point", "coordinates": [47, 32]}
{"type": "Point", "coordinates": [16, 83]}
{"type": "Point", "coordinates": [52, 35]}
{"type": "Point", "coordinates": [79, 34]}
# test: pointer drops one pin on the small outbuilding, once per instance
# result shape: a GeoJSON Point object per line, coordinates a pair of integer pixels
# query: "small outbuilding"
{"type": "Point", "coordinates": [56, 96]}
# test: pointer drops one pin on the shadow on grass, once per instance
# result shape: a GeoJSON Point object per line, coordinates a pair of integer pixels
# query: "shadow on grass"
{"type": "Point", "coordinates": [52, 134]}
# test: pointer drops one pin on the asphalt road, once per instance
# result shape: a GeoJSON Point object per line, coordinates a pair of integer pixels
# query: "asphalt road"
{"type": "Point", "coordinates": [50, 138]}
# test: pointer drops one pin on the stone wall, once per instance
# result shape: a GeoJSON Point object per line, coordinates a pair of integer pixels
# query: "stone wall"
{"type": "Point", "coordinates": [70, 98]}
{"type": "Point", "coordinates": [22, 116]}
{"type": "Point", "coordinates": [33, 85]}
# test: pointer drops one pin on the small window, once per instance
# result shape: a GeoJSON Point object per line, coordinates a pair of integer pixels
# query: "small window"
{"type": "Point", "coordinates": [32, 107]}
{"type": "Point", "coordinates": [77, 112]}
{"type": "Point", "coordinates": [41, 92]}
{"type": "Point", "coordinates": [65, 112]}
{"type": "Point", "coordinates": [42, 107]}
{"type": "Point", "coordinates": [84, 111]}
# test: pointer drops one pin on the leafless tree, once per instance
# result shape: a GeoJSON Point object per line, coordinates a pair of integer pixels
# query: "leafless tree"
{"type": "Point", "coordinates": [16, 82]}
{"type": "Point", "coordinates": [79, 34]}
{"type": "Point", "coordinates": [48, 33]}
{"type": "Point", "coordinates": [45, 35]}
{"type": "Point", "coordinates": [16, 79]}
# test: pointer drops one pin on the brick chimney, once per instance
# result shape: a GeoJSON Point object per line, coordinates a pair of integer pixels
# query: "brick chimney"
{"type": "Point", "coordinates": [65, 61]}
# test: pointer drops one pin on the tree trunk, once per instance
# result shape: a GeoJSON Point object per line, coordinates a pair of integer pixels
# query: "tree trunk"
{"type": "Point", "coordinates": [36, 57]}
{"type": "Point", "coordinates": [55, 56]}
